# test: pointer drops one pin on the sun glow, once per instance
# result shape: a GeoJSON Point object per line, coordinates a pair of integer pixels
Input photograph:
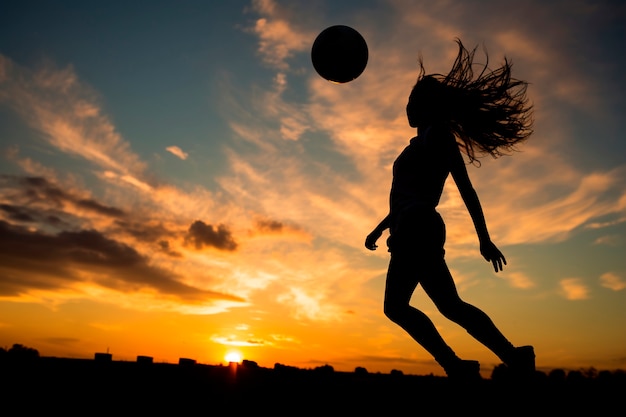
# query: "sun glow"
{"type": "Point", "coordinates": [233, 357]}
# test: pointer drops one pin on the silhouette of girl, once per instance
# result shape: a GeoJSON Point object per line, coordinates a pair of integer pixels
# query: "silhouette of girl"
{"type": "Point", "coordinates": [487, 114]}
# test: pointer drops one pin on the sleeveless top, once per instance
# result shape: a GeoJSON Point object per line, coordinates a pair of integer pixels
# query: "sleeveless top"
{"type": "Point", "coordinates": [420, 172]}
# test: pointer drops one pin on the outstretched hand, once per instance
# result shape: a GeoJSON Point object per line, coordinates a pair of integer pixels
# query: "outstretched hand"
{"type": "Point", "coordinates": [492, 254]}
{"type": "Point", "coordinates": [370, 240]}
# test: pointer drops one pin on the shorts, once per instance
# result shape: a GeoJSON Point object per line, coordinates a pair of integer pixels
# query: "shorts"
{"type": "Point", "coordinates": [419, 232]}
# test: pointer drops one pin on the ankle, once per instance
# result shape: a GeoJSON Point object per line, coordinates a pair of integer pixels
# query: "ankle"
{"type": "Point", "coordinates": [522, 358]}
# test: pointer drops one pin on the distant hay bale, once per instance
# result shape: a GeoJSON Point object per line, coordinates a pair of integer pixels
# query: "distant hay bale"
{"type": "Point", "coordinates": [145, 360]}
{"type": "Point", "coordinates": [186, 362]}
{"type": "Point", "coordinates": [103, 357]}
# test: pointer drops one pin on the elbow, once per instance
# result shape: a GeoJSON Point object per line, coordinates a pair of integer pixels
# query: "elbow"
{"type": "Point", "coordinates": [469, 194]}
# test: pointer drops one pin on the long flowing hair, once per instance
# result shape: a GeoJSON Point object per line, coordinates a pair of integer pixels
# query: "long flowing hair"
{"type": "Point", "coordinates": [488, 113]}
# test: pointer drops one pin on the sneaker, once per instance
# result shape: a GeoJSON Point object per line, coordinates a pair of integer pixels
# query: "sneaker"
{"type": "Point", "coordinates": [463, 370]}
{"type": "Point", "coordinates": [522, 363]}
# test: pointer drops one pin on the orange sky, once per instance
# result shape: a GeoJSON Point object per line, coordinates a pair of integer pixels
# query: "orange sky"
{"type": "Point", "coordinates": [187, 185]}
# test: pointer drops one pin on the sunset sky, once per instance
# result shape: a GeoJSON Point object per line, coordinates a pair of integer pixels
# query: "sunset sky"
{"type": "Point", "coordinates": [177, 181]}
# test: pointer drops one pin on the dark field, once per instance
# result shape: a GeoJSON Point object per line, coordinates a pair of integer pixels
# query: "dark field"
{"type": "Point", "coordinates": [88, 387]}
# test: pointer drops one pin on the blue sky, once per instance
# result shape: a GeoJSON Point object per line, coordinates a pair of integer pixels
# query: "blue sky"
{"type": "Point", "coordinates": [177, 170]}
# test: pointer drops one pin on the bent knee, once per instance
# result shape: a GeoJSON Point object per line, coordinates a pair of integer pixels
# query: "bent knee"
{"type": "Point", "coordinates": [395, 312]}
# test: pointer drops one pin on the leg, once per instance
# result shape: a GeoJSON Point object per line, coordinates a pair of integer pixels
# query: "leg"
{"type": "Point", "coordinates": [402, 278]}
{"type": "Point", "coordinates": [439, 286]}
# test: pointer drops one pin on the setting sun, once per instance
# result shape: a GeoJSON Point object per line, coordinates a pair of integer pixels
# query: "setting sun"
{"type": "Point", "coordinates": [233, 357]}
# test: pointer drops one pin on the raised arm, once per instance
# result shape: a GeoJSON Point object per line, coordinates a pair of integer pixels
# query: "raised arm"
{"type": "Point", "coordinates": [487, 248]}
{"type": "Point", "coordinates": [370, 240]}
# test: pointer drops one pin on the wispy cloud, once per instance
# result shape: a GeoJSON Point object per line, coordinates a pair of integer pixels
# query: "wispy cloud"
{"type": "Point", "coordinates": [36, 192]}
{"type": "Point", "coordinates": [235, 341]}
{"type": "Point", "coordinates": [176, 151]}
{"type": "Point", "coordinates": [551, 208]}
{"type": "Point", "coordinates": [278, 38]}
{"type": "Point", "coordinates": [609, 240]}
{"type": "Point", "coordinates": [67, 114]}
{"type": "Point", "coordinates": [273, 228]}
{"type": "Point", "coordinates": [304, 304]}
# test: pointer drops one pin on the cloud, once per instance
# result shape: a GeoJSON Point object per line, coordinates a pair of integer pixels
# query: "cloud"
{"type": "Point", "coordinates": [20, 214]}
{"type": "Point", "coordinates": [281, 338]}
{"type": "Point", "coordinates": [41, 202]}
{"type": "Point", "coordinates": [304, 305]}
{"type": "Point", "coordinates": [609, 240]}
{"type": "Point", "coordinates": [544, 206]}
{"type": "Point", "coordinates": [268, 227]}
{"type": "Point", "coordinates": [519, 280]}
{"type": "Point", "coordinates": [35, 260]}
{"type": "Point", "coordinates": [234, 341]}
{"type": "Point", "coordinates": [45, 204]}
{"type": "Point", "coordinates": [278, 37]}
{"type": "Point", "coordinates": [147, 230]}
{"type": "Point", "coordinates": [67, 114]}
{"type": "Point", "coordinates": [201, 234]}
{"type": "Point", "coordinates": [38, 190]}
{"type": "Point", "coordinates": [59, 244]}
{"type": "Point", "coordinates": [537, 195]}
{"type": "Point", "coordinates": [612, 281]}
{"type": "Point", "coordinates": [175, 150]}
{"type": "Point", "coordinates": [165, 247]}
{"type": "Point", "coordinates": [60, 240]}
{"type": "Point", "coordinates": [574, 289]}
